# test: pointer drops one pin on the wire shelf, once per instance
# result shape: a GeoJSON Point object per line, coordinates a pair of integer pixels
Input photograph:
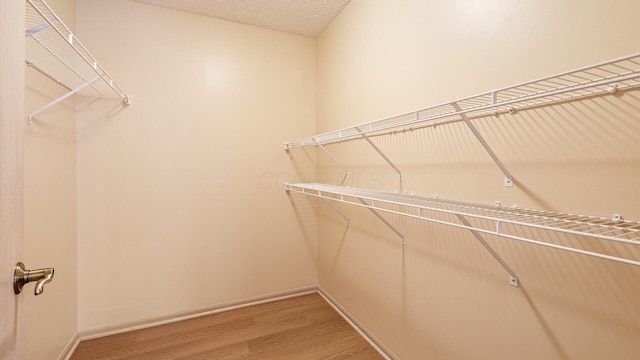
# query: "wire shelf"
{"type": "Point", "coordinates": [606, 77]}
{"type": "Point", "coordinates": [53, 50]}
{"type": "Point", "coordinates": [426, 208]}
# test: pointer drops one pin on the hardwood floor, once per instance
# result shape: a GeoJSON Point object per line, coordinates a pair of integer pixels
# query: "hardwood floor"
{"type": "Point", "coordinates": [304, 327]}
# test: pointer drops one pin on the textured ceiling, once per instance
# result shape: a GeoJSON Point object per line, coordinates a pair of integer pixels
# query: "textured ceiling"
{"type": "Point", "coordinates": [304, 17]}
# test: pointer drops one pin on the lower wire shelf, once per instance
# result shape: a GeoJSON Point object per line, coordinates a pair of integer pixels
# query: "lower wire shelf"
{"type": "Point", "coordinates": [488, 219]}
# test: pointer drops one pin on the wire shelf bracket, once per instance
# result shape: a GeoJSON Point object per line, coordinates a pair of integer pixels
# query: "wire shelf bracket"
{"type": "Point", "coordinates": [513, 278]}
{"type": "Point", "coordinates": [508, 178]}
{"type": "Point", "coordinates": [346, 172]}
{"type": "Point", "coordinates": [336, 210]}
{"type": "Point", "coordinates": [377, 149]}
{"type": "Point", "coordinates": [413, 206]}
{"type": "Point", "coordinates": [372, 208]}
{"type": "Point", "coordinates": [55, 52]}
{"type": "Point", "coordinates": [335, 161]}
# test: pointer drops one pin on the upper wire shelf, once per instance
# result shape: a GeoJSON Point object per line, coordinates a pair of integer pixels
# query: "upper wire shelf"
{"type": "Point", "coordinates": [606, 77]}
{"type": "Point", "coordinates": [490, 219]}
{"type": "Point", "coordinates": [54, 51]}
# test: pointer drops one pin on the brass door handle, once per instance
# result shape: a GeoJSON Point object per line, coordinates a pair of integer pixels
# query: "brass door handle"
{"type": "Point", "coordinates": [21, 276]}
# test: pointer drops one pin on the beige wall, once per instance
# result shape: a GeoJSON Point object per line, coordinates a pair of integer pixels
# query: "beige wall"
{"type": "Point", "coordinates": [50, 211]}
{"type": "Point", "coordinates": [441, 296]}
{"type": "Point", "coordinates": [180, 204]}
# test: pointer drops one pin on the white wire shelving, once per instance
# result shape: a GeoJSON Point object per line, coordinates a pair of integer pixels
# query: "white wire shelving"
{"type": "Point", "coordinates": [606, 77]}
{"type": "Point", "coordinates": [55, 52]}
{"type": "Point", "coordinates": [508, 222]}
{"type": "Point", "coordinates": [487, 219]}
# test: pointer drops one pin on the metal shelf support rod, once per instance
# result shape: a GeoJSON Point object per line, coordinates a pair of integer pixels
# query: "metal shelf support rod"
{"type": "Point", "coordinates": [337, 211]}
{"type": "Point", "coordinates": [62, 98]}
{"type": "Point", "coordinates": [508, 181]}
{"type": "Point", "coordinates": [377, 149]}
{"type": "Point", "coordinates": [372, 208]}
{"type": "Point", "coordinates": [335, 161]}
{"type": "Point", "coordinates": [513, 278]}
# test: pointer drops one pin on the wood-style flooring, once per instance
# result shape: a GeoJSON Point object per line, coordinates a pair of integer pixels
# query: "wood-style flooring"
{"type": "Point", "coordinates": [304, 327]}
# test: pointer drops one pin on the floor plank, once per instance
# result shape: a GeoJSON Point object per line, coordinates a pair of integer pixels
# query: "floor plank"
{"type": "Point", "coordinates": [300, 328]}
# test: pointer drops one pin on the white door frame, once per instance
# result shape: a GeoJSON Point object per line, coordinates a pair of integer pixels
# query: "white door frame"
{"type": "Point", "coordinates": [12, 83]}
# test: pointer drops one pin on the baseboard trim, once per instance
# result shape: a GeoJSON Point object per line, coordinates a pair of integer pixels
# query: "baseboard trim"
{"type": "Point", "coordinates": [384, 351]}
{"type": "Point", "coordinates": [70, 348]}
{"type": "Point", "coordinates": [190, 314]}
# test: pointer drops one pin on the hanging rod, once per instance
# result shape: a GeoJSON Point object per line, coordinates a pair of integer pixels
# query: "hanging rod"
{"type": "Point", "coordinates": [603, 78]}
{"type": "Point", "coordinates": [54, 51]}
{"type": "Point", "coordinates": [616, 230]}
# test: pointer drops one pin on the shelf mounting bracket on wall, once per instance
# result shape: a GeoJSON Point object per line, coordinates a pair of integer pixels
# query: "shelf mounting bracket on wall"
{"type": "Point", "coordinates": [377, 149]}
{"type": "Point", "coordinates": [335, 161]}
{"type": "Point", "coordinates": [377, 214]}
{"type": "Point", "coordinates": [508, 178]}
{"type": "Point", "coordinates": [513, 278]}
{"type": "Point", "coordinates": [337, 211]}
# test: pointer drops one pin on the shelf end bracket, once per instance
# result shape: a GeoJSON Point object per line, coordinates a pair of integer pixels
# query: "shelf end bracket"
{"type": "Point", "coordinates": [335, 161]}
{"type": "Point", "coordinates": [377, 214]}
{"type": "Point", "coordinates": [377, 149]}
{"type": "Point", "coordinates": [508, 178]}
{"type": "Point", "coordinates": [337, 211]}
{"type": "Point", "coordinates": [513, 278]}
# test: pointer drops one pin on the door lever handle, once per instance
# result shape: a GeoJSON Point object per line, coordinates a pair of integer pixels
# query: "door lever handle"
{"type": "Point", "coordinates": [21, 276]}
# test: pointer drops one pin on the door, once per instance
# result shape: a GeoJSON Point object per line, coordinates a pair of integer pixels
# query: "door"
{"type": "Point", "coordinates": [11, 172]}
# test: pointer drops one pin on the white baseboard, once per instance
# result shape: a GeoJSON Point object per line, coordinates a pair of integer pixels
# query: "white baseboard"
{"type": "Point", "coordinates": [357, 325]}
{"type": "Point", "coordinates": [70, 348]}
{"type": "Point", "coordinates": [190, 314]}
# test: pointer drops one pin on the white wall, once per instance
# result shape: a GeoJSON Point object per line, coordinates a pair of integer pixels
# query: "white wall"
{"type": "Point", "coordinates": [50, 211]}
{"type": "Point", "coordinates": [180, 204]}
{"type": "Point", "coordinates": [442, 296]}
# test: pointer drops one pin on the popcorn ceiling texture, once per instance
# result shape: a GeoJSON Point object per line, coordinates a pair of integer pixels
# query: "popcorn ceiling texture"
{"type": "Point", "coordinates": [303, 17]}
